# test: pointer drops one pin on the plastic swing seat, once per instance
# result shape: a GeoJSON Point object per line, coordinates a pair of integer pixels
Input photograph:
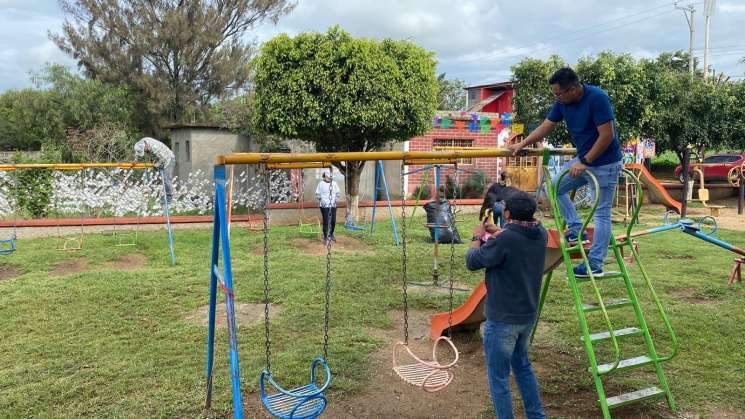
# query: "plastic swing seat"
{"type": "Point", "coordinates": [303, 402]}
{"type": "Point", "coordinates": [430, 376]}
{"type": "Point", "coordinates": [8, 246]}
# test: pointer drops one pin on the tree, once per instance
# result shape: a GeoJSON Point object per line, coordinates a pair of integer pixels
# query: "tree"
{"type": "Point", "coordinates": [178, 55]}
{"type": "Point", "coordinates": [344, 94]}
{"type": "Point", "coordinates": [533, 99]}
{"type": "Point", "coordinates": [451, 95]}
{"type": "Point", "coordinates": [64, 103]}
{"type": "Point", "coordinates": [625, 81]}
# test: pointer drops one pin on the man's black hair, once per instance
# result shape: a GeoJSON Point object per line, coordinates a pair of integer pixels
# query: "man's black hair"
{"type": "Point", "coordinates": [564, 77]}
{"type": "Point", "coordinates": [521, 205]}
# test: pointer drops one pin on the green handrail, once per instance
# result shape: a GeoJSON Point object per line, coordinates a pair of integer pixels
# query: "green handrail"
{"type": "Point", "coordinates": [565, 248]}
{"type": "Point", "coordinates": [648, 282]}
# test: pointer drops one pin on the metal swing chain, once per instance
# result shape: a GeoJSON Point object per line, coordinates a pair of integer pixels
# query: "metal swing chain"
{"type": "Point", "coordinates": [452, 255]}
{"type": "Point", "coordinates": [404, 256]}
{"type": "Point", "coordinates": [326, 313]}
{"type": "Point", "coordinates": [267, 344]}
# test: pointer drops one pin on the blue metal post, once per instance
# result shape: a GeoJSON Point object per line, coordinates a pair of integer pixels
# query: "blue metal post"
{"type": "Point", "coordinates": [724, 245]}
{"type": "Point", "coordinates": [213, 289]}
{"type": "Point", "coordinates": [167, 211]}
{"type": "Point", "coordinates": [375, 200]}
{"type": "Point", "coordinates": [379, 169]}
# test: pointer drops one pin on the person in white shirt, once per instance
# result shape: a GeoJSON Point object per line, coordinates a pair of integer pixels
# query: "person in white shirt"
{"type": "Point", "coordinates": [164, 158]}
{"type": "Point", "coordinates": [328, 194]}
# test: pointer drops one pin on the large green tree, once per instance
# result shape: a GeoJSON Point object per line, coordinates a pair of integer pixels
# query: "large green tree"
{"type": "Point", "coordinates": [533, 99]}
{"type": "Point", "coordinates": [344, 94]}
{"type": "Point", "coordinates": [451, 95]}
{"type": "Point", "coordinates": [178, 55]}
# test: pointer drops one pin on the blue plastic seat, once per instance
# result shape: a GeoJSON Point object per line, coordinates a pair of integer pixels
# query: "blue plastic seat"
{"type": "Point", "coordinates": [7, 246]}
{"type": "Point", "coordinates": [303, 402]}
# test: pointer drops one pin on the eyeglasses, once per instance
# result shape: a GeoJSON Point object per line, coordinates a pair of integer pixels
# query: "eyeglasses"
{"type": "Point", "coordinates": [561, 93]}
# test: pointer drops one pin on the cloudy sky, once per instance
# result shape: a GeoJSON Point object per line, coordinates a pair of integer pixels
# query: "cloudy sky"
{"type": "Point", "coordinates": [474, 40]}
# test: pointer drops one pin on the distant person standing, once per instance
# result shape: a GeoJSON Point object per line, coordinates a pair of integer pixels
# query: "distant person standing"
{"type": "Point", "coordinates": [164, 160]}
{"type": "Point", "coordinates": [588, 114]}
{"type": "Point", "coordinates": [328, 193]}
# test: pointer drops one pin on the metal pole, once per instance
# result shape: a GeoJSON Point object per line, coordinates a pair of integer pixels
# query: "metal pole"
{"type": "Point", "coordinates": [379, 168]}
{"type": "Point", "coordinates": [686, 175]}
{"type": "Point", "coordinates": [219, 175]}
{"type": "Point", "coordinates": [741, 198]}
{"type": "Point", "coordinates": [167, 211]}
{"type": "Point", "coordinates": [690, 9]}
{"type": "Point", "coordinates": [708, 11]}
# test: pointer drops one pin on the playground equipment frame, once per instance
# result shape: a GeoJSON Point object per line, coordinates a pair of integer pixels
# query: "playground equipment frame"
{"type": "Point", "coordinates": [224, 277]}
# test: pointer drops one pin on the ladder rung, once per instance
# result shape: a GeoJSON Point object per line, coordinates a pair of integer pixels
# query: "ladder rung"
{"type": "Point", "coordinates": [621, 333]}
{"type": "Point", "coordinates": [609, 305]}
{"type": "Point", "coordinates": [634, 396]}
{"type": "Point", "coordinates": [605, 275]}
{"type": "Point", "coordinates": [625, 364]}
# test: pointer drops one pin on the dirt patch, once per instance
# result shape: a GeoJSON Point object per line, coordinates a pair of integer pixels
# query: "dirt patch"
{"type": "Point", "coordinates": [386, 396]}
{"type": "Point", "coordinates": [695, 295]}
{"type": "Point", "coordinates": [343, 244]}
{"type": "Point", "coordinates": [245, 314]}
{"type": "Point", "coordinates": [129, 262]}
{"type": "Point", "coordinates": [8, 272]}
{"type": "Point", "coordinates": [70, 266]}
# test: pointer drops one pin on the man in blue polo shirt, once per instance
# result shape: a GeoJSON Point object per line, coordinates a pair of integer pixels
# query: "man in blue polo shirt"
{"type": "Point", "coordinates": [588, 114]}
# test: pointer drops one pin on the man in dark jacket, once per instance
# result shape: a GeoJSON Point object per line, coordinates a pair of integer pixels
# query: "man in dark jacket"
{"type": "Point", "coordinates": [513, 282]}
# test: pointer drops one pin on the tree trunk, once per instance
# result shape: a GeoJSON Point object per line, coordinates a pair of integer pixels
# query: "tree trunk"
{"type": "Point", "coordinates": [352, 172]}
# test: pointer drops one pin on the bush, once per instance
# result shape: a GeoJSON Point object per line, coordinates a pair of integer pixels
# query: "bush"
{"type": "Point", "coordinates": [424, 192]}
{"type": "Point", "coordinates": [34, 188]}
{"type": "Point", "coordinates": [475, 185]}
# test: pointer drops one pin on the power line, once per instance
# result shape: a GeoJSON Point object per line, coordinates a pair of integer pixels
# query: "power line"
{"type": "Point", "coordinates": [585, 29]}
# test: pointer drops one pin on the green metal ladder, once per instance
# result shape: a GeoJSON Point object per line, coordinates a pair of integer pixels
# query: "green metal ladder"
{"type": "Point", "coordinates": [590, 339]}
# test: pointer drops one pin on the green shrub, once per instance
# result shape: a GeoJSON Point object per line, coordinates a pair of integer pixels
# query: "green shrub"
{"type": "Point", "coordinates": [475, 185]}
{"type": "Point", "coordinates": [34, 188]}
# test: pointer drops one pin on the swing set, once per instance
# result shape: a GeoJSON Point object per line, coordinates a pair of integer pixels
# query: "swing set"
{"type": "Point", "coordinates": [309, 401]}
{"type": "Point", "coordinates": [74, 242]}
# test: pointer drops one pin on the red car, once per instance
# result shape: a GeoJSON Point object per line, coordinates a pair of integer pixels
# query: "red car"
{"type": "Point", "coordinates": [716, 167]}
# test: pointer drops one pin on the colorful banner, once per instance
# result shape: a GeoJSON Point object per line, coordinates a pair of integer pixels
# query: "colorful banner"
{"type": "Point", "coordinates": [478, 123]}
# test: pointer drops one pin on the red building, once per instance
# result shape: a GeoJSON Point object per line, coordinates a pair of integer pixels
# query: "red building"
{"type": "Point", "coordinates": [485, 124]}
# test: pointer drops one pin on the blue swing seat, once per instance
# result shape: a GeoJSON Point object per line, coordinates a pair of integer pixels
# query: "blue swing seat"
{"type": "Point", "coordinates": [349, 225]}
{"type": "Point", "coordinates": [304, 402]}
{"type": "Point", "coordinates": [8, 246]}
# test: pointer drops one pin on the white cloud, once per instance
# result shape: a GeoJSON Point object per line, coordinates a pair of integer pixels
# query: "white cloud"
{"type": "Point", "coordinates": [474, 40]}
{"type": "Point", "coordinates": [732, 8]}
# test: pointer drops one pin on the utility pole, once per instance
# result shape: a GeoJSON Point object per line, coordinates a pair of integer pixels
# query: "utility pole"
{"type": "Point", "coordinates": [708, 11]}
{"type": "Point", "coordinates": [686, 10]}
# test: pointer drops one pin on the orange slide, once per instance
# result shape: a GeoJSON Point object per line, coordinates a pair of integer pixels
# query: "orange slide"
{"type": "Point", "coordinates": [471, 313]}
{"type": "Point", "coordinates": [655, 187]}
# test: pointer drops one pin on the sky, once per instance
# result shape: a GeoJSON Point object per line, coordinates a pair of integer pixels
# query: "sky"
{"type": "Point", "coordinates": [473, 40]}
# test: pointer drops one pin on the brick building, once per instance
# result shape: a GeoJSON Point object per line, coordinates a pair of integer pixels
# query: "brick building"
{"type": "Point", "coordinates": [485, 124]}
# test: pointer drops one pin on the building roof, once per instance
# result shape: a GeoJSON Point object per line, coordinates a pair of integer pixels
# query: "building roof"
{"type": "Point", "coordinates": [480, 105]}
{"type": "Point", "coordinates": [500, 85]}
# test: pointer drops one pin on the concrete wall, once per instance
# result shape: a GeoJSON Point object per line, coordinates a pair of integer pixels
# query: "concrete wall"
{"type": "Point", "coordinates": [197, 147]}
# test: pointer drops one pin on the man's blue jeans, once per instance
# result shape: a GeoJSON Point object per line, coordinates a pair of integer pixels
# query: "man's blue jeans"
{"type": "Point", "coordinates": [497, 214]}
{"type": "Point", "coordinates": [607, 177]}
{"type": "Point", "coordinates": [505, 347]}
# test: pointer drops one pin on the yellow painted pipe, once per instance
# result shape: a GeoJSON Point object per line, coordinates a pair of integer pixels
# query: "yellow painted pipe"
{"type": "Point", "coordinates": [426, 162]}
{"type": "Point", "coordinates": [311, 165]}
{"type": "Point", "coordinates": [76, 166]}
{"type": "Point", "coordinates": [255, 158]}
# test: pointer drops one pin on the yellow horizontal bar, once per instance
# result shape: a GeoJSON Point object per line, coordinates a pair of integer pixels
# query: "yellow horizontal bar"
{"type": "Point", "coordinates": [431, 161]}
{"type": "Point", "coordinates": [254, 158]}
{"type": "Point", "coordinates": [75, 166]}
{"type": "Point", "coordinates": [312, 165]}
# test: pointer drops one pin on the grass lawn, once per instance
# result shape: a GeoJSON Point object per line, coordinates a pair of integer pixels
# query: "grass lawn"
{"type": "Point", "coordinates": [115, 342]}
